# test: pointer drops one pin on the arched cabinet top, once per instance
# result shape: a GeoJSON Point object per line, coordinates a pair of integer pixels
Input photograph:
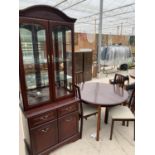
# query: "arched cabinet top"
{"type": "Point", "coordinates": [45, 12]}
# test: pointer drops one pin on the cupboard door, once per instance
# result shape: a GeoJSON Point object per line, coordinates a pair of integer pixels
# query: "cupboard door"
{"type": "Point", "coordinates": [62, 38]}
{"type": "Point", "coordinates": [44, 137]}
{"type": "Point", "coordinates": [87, 65]}
{"type": "Point", "coordinates": [34, 59]}
{"type": "Point", "coordinates": [68, 126]}
{"type": "Point", "coordinates": [78, 62]}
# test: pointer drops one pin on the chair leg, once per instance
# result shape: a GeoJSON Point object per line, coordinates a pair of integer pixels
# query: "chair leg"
{"type": "Point", "coordinates": [123, 123]}
{"type": "Point", "coordinates": [98, 123]}
{"type": "Point", "coordinates": [106, 115]}
{"type": "Point", "coordinates": [81, 127]}
{"type": "Point", "coordinates": [112, 127]}
{"type": "Point", "coordinates": [127, 124]}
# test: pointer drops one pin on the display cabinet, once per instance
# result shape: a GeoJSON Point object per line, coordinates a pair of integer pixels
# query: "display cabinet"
{"type": "Point", "coordinates": [47, 99]}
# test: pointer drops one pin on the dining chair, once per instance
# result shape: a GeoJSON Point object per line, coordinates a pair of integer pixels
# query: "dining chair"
{"type": "Point", "coordinates": [123, 113]}
{"type": "Point", "coordinates": [120, 80]}
{"type": "Point", "coordinates": [85, 110]}
{"type": "Point", "coordinates": [79, 81]}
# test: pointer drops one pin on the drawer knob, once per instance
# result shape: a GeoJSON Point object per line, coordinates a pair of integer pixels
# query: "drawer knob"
{"type": "Point", "coordinates": [69, 108]}
{"type": "Point", "coordinates": [45, 130]}
{"type": "Point", "coordinates": [44, 117]}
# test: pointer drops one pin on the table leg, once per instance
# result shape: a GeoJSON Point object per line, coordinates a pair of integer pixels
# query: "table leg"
{"type": "Point", "coordinates": [106, 115]}
{"type": "Point", "coordinates": [98, 123]}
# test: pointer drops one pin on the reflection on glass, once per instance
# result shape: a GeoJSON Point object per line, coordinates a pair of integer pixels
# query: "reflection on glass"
{"type": "Point", "coordinates": [33, 45]}
{"type": "Point", "coordinates": [62, 44]}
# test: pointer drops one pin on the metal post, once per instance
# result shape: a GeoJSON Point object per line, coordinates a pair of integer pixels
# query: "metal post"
{"type": "Point", "coordinates": [121, 28]}
{"type": "Point", "coordinates": [133, 29]}
{"type": "Point", "coordinates": [100, 36]}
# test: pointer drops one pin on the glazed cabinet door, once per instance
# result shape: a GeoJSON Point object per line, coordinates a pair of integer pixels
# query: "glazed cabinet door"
{"type": "Point", "coordinates": [34, 62]}
{"type": "Point", "coordinates": [62, 42]}
{"type": "Point", "coordinates": [44, 137]}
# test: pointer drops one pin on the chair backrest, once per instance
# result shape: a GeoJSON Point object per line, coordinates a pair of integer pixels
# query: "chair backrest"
{"type": "Point", "coordinates": [120, 79]}
{"type": "Point", "coordinates": [131, 103]}
{"type": "Point", "coordinates": [77, 91]}
{"type": "Point", "coordinates": [78, 95]}
{"type": "Point", "coordinates": [130, 87]}
{"type": "Point", "coordinates": [79, 77]}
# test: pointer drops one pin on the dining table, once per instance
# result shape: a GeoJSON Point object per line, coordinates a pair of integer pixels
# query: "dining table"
{"type": "Point", "coordinates": [102, 95]}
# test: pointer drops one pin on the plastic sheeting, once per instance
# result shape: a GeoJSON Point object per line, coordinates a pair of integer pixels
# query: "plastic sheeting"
{"type": "Point", "coordinates": [115, 55]}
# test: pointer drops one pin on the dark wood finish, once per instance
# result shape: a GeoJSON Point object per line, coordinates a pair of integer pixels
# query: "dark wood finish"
{"type": "Point", "coordinates": [111, 131]}
{"type": "Point", "coordinates": [106, 116]}
{"type": "Point", "coordinates": [119, 80]}
{"type": "Point", "coordinates": [102, 95]}
{"type": "Point", "coordinates": [45, 12]}
{"type": "Point", "coordinates": [132, 103]}
{"type": "Point", "coordinates": [79, 77]}
{"type": "Point", "coordinates": [52, 123]}
{"type": "Point", "coordinates": [78, 62]}
{"type": "Point", "coordinates": [82, 109]}
{"type": "Point", "coordinates": [67, 109]}
{"type": "Point", "coordinates": [68, 126]}
{"type": "Point", "coordinates": [43, 137]}
{"type": "Point", "coordinates": [98, 123]}
{"type": "Point", "coordinates": [45, 117]}
{"type": "Point", "coordinates": [83, 64]}
{"type": "Point", "coordinates": [87, 68]}
{"type": "Point", "coordinates": [112, 126]}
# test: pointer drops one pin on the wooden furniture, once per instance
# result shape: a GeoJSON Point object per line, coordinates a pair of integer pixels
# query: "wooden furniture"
{"type": "Point", "coordinates": [123, 113]}
{"type": "Point", "coordinates": [102, 95]}
{"type": "Point", "coordinates": [83, 63]}
{"type": "Point", "coordinates": [86, 110]}
{"type": "Point", "coordinates": [119, 79]}
{"type": "Point", "coordinates": [50, 109]}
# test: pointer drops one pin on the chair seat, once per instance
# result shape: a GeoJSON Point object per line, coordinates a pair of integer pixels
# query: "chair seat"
{"type": "Point", "coordinates": [121, 112]}
{"type": "Point", "coordinates": [88, 109]}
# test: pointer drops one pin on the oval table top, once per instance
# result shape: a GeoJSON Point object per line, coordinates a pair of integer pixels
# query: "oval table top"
{"type": "Point", "coordinates": [102, 94]}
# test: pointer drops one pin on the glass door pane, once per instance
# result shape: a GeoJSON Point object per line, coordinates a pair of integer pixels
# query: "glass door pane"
{"type": "Point", "coordinates": [62, 47]}
{"type": "Point", "coordinates": [33, 45]}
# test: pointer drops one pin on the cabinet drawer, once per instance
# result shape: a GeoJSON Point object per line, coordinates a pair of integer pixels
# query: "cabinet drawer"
{"type": "Point", "coordinates": [45, 136]}
{"type": "Point", "coordinates": [67, 109]}
{"type": "Point", "coordinates": [68, 126]}
{"type": "Point", "coordinates": [38, 120]}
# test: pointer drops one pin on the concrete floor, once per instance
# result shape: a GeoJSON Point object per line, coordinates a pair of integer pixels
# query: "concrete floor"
{"type": "Point", "coordinates": [122, 143]}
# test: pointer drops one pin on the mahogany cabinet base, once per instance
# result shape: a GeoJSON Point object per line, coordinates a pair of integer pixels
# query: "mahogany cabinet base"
{"type": "Point", "coordinates": [52, 148]}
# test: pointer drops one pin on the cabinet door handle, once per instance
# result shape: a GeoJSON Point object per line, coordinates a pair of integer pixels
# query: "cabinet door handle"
{"type": "Point", "coordinates": [48, 58]}
{"type": "Point", "coordinates": [69, 119]}
{"type": "Point", "coordinates": [44, 117]}
{"type": "Point", "coordinates": [45, 130]}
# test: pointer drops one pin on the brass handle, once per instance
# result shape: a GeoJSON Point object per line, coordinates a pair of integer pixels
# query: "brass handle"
{"type": "Point", "coordinates": [44, 117]}
{"type": "Point", "coordinates": [69, 108]}
{"type": "Point", "coordinates": [45, 130]}
{"type": "Point", "coordinates": [48, 57]}
{"type": "Point", "coordinates": [68, 120]}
